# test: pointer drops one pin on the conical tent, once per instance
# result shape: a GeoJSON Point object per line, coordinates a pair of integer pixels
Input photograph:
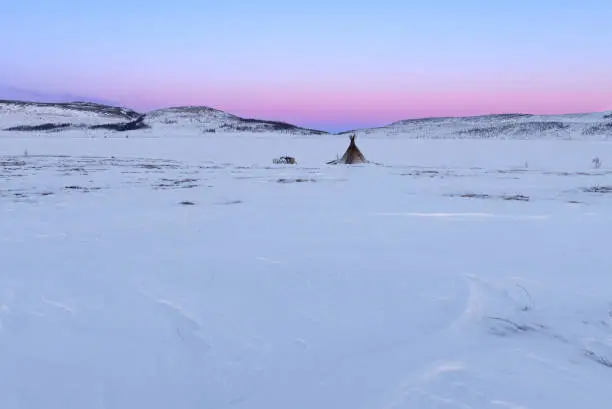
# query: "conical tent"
{"type": "Point", "coordinates": [351, 156]}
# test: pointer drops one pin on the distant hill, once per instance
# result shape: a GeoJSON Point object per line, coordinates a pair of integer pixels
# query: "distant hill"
{"type": "Point", "coordinates": [214, 120]}
{"type": "Point", "coordinates": [47, 116]}
{"type": "Point", "coordinates": [596, 125]}
{"type": "Point", "coordinates": [24, 116]}
{"type": "Point", "coordinates": [28, 116]}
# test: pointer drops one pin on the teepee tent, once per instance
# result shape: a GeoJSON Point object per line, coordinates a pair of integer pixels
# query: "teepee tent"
{"type": "Point", "coordinates": [351, 156]}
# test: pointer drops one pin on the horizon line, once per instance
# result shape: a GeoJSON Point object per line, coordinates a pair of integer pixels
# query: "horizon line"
{"type": "Point", "coordinates": [85, 101]}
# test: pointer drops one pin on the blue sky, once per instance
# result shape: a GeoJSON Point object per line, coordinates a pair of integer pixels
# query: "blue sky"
{"type": "Point", "coordinates": [331, 64]}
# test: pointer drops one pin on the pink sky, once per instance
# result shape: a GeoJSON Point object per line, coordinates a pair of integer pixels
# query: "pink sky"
{"type": "Point", "coordinates": [341, 108]}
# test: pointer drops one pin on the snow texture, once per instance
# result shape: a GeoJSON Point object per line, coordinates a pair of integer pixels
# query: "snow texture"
{"type": "Point", "coordinates": [174, 271]}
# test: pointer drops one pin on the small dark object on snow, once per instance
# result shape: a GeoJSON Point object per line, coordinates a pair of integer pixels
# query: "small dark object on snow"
{"type": "Point", "coordinates": [521, 198]}
{"type": "Point", "coordinates": [284, 160]}
{"type": "Point", "coordinates": [475, 195]}
{"type": "Point", "coordinates": [297, 180]}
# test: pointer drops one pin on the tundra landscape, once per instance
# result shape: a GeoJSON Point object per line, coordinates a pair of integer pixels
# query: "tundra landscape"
{"type": "Point", "coordinates": [166, 259]}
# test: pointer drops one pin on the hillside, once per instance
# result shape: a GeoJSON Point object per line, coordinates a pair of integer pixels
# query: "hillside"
{"type": "Point", "coordinates": [46, 116]}
{"type": "Point", "coordinates": [213, 120]}
{"type": "Point", "coordinates": [55, 117]}
{"type": "Point", "coordinates": [502, 126]}
{"type": "Point", "coordinates": [198, 120]}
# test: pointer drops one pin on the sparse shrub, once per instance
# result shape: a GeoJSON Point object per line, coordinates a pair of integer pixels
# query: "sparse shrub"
{"type": "Point", "coordinates": [297, 180]}
{"type": "Point", "coordinates": [521, 198]}
{"type": "Point", "coordinates": [138, 123]}
{"type": "Point", "coordinates": [525, 128]}
{"type": "Point", "coordinates": [41, 127]}
{"type": "Point", "coordinates": [598, 129]}
{"type": "Point", "coordinates": [598, 189]}
{"type": "Point", "coordinates": [596, 162]}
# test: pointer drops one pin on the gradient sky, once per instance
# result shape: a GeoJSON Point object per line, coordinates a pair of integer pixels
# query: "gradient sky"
{"type": "Point", "coordinates": [329, 64]}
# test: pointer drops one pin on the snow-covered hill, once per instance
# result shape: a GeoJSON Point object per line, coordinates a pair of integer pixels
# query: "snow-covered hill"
{"type": "Point", "coordinates": [55, 117]}
{"type": "Point", "coordinates": [199, 120]}
{"type": "Point", "coordinates": [503, 126]}
{"type": "Point", "coordinates": [41, 116]}
{"type": "Point", "coordinates": [206, 119]}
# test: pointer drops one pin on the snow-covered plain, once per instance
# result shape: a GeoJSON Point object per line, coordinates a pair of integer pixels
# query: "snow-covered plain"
{"type": "Point", "coordinates": [448, 274]}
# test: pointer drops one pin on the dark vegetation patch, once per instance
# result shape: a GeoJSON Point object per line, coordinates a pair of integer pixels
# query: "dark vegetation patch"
{"type": "Point", "coordinates": [504, 327]}
{"type": "Point", "coordinates": [562, 173]}
{"type": "Point", "coordinates": [280, 126]}
{"type": "Point", "coordinates": [502, 117]}
{"type": "Point", "coordinates": [12, 163]}
{"type": "Point", "coordinates": [511, 171]}
{"type": "Point", "coordinates": [600, 359]}
{"type": "Point", "coordinates": [430, 173]}
{"type": "Point", "coordinates": [187, 203]}
{"type": "Point", "coordinates": [149, 166]}
{"type": "Point", "coordinates": [81, 188]}
{"type": "Point", "coordinates": [608, 116]}
{"type": "Point", "coordinates": [475, 196]}
{"type": "Point", "coordinates": [521, 198]}
{"type": "Point", "coordinates": [136, 124]}
{"type": "Point", "coordinates": [41, 127]}
{"type": "Point", "coordinates": [176, 183]}
{"type": "Point", "coordinates": [48, 127]}
{"type": "Point", "coordinates": [517, 197]}
{"type": "Point", "coordinates": [260, 125]}
{"type": "Point", "coordinates": [479, 118]}
{"type": "Point", "coordinates": [519, 128]}
{"type": "Point", "coordinates": [76, 169]}
{"type": "Point", "coordinates": [439, 120]}
{"type": "Point", "coordinates": [23, 194]}
{"type": "Point", "coordinates": [598, 189]}
{"type": "Point", "coordinates": [296, 180]}
{"type": "Point", "coordinates": [598, 129]}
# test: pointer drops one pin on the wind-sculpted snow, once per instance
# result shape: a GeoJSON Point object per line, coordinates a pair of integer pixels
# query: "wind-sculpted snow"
{"type": "Point", "coordinates": [196, 273]}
